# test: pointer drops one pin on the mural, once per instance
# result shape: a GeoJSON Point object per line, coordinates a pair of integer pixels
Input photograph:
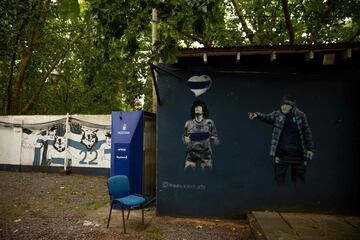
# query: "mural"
{"type": "Point", "coordinates": [87, 147]}
{"type": "Point", "coordinates": [199, 84]}
{"type": "Point", "coordinates": [291, 143]}
{"type": "Point", "coordinates": [200, 131]}
{"type": "Point", "coordinates": [242, 171]}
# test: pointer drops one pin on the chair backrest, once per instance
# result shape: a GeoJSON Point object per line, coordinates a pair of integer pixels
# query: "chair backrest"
{"type": "Point", "coordinates": [118, 185]}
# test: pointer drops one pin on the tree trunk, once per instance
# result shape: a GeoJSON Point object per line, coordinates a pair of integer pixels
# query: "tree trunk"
{"type": "Point", "coordinates": [8, 105]}
{"type": "Point", "coordinates": [288, 21]}
{"type": "Point", "coordinates": [8, 101]}
{"type": "Point", "coordinates": [248, 32]}
{"type": "Point", "coordinates": [14, 105]}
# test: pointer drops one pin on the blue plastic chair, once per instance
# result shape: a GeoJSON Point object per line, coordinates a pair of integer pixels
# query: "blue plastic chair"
{"type": "Point", "coordinates": [119, 189]}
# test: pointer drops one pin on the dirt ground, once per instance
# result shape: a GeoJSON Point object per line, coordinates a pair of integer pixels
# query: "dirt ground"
{"type": "Point", "coordinates": [59, 206]}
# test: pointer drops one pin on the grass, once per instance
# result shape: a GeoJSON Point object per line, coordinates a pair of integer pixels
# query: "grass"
{"type": "Point", "coordinates": [153, 233]}
{"type": "Point", "coordinates": [36, 212]}
{"type": "Point", "coordinates": [83, 208]}
{"type": "Point", "coordinates": [58, 197]}
{"type": "Point", "coordinates": [98, 204]}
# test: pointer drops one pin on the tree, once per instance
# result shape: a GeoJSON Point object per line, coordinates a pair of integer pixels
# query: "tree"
{"type": "Point", "coordinates": [32, 49]}
{"type": "Point", "coordinates": [102, 48]}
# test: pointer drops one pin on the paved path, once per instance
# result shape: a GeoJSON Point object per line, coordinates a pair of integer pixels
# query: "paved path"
{"type": "Point", "coordinates": [303, 226]}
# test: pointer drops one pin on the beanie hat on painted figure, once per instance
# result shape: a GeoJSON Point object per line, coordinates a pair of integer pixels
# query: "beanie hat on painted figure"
{"type": "Point", "coordinates": [288, 100]}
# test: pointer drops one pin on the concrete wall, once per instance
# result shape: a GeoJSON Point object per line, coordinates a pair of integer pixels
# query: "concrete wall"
{"type": "Point", "coordinates": [10, 147]}
{"type": "Point", "coordinates": [40, 141]}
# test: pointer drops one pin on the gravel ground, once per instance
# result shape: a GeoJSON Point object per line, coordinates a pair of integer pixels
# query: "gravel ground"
{"type": "Point", "coordinates": [58, 206]}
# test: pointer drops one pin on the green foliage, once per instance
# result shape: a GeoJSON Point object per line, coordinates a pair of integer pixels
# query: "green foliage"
{"type": "Point", "coordinates": [107, 68]}
{"type": "Point", "coordinates": [69, 9]}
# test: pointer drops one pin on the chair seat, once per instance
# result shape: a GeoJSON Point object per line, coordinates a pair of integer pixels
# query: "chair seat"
{"type": "Point", "coordinates": [131, 200]}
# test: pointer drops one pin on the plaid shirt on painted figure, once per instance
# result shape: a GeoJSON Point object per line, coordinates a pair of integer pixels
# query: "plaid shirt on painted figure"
{"type": "Point", "coordinates": [277, 120]}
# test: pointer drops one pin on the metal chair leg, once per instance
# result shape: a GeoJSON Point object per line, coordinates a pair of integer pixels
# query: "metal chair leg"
{"type": "Point", "coordinates": [142, 211]}
{"type": "Point", "coordinates": [111, 206]}
{"type": "Point", "coordinates": [127, 218]}
{"type": "Point", "coordinates": [122, 210]}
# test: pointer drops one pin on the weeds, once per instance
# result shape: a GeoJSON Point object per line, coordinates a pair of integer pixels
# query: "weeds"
{"type": "Point", "coordinates": [98, 204]}
{"type": "Point", "coordinates": [153, 233]}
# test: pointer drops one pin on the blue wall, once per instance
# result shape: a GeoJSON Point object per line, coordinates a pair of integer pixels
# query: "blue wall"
{"type": "Point", "coordinates": [242, 176]}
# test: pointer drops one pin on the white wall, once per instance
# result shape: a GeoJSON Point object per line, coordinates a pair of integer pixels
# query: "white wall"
{"type": "Point", "coordinates": [39, 141]}
{"type": "Point", "coordinates": [10, 145]}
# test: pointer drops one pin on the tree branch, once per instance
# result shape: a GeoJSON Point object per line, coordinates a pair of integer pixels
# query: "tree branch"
{"type": "Point", "coordinates": [14, 107]}
{"type": "Point", "coordinates": [248, 32]}
{"type": "Point", "coordinates": [354, 36]}
{"type": "Point", "coordinates": [318, 24]}
{"type": "Point", "coordinates": [7, 106]}
{"type": "Point", "coordinates": [288, 21]}
{"type": "Point", "coordinates": [191, 36]}
{"type": "Point", "coordinates": [38, 90]}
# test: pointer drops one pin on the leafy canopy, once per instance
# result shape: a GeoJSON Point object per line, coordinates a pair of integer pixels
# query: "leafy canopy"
{"type": "Point", "coordinates": [102, 48]}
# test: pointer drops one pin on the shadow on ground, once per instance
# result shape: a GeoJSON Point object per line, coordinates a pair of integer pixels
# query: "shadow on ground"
{"type": "Point", "coordinates": [57, 206]}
